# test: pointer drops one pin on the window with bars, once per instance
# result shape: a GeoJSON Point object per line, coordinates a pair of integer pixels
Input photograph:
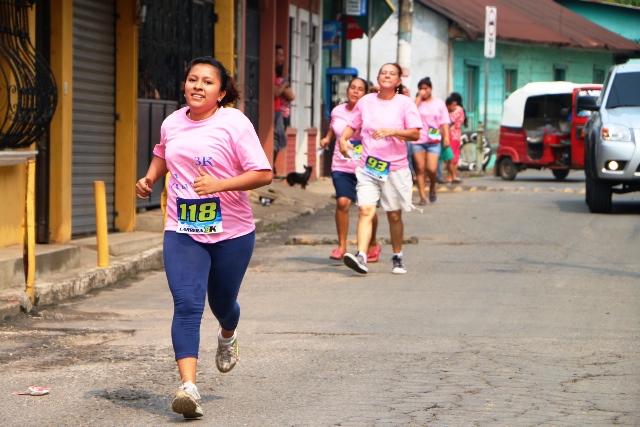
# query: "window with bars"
{"type": "Point", "coordinates": [598, 75]}
{"type": "Point", "coordinates": [28, 91]}
{"type": "Point", "coordinates": [510, 81]}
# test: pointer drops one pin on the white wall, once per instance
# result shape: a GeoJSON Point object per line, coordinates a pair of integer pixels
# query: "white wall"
{"type": "Point", "coordinates": [430, 49]}
{"type": "Point", "coordinates": [304, 57]}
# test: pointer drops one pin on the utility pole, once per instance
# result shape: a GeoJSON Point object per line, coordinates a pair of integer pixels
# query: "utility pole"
{"type": "Point", "coordinates": [405, 24]}
{"type": "Point", "coordinates": [490, 40]}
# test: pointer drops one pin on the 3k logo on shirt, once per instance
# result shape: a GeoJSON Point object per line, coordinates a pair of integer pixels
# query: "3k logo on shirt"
{"type": "Point", "coordinates": [204, 161]}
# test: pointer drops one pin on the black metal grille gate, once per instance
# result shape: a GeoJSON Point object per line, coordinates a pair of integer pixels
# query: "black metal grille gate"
{"type": "Point", "coordinates": [28, 93]}
{"type": "Point", "coordinates": [252, 62]}
{"type": "Point", "coordinates": [172, 34]}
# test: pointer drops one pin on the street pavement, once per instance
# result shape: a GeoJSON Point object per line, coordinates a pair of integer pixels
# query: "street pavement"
{"type": "Point", "coordinates": [520, 308]}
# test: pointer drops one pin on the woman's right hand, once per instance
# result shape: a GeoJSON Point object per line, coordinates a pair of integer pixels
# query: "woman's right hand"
{"type": "Point", "coordinates": [324, 142]}
{"type": "Point", "coordinates": [345, 146]}
{"type": "Point", "coordinates": [143, 187]}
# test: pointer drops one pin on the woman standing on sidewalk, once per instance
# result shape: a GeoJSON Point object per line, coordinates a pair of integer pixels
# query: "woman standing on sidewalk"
{"type": "Point", "coordinates": [343, 170]}
{"type": "Point", "coordinates": [434, 136]}
{"type": "Point", "coordinates": [386, 119]}
{"type": "Point", "coordinates": [214, 156]}
{"type": "Point", "coordinates": [457, 117]}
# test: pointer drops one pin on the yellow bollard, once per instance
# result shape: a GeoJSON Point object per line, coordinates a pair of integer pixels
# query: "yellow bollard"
{"type": "Point", "coordinates": [29, 238]}
{"type": "Point", "coordinates": [102, 237]}
{"type": "Point", "coordinates": [163, 197]}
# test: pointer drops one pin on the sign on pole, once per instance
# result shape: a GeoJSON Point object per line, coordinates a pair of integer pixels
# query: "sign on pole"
{"type": "Point", "coordinates": [490, 32]}
{"type": "Point", "coordinates": [356, 7]}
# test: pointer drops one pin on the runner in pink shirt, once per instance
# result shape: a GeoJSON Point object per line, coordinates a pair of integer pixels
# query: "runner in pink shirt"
{"type": "Point", "coordinates": [434, 136]}
{"type": "Point", "coordinates": [343, 170]}
{"type": "Point", "coordinates": [214, 156]}
{"type": "Point", "coordinates": [387, 119]}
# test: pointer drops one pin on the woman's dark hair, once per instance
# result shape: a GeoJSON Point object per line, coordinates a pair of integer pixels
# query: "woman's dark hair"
{"type": "Point", "coordinates": [425, 81]}
{"type": "Point", "coordinates": [395, 64]}
{"type": "Point", "coordinates": [227, 83]}
{"type": "Point", "coordinates": [366, 85]}
{"type": "Point", "coordinates": [455, 96]}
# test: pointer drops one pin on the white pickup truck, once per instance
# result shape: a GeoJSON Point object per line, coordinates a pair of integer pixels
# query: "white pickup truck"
{"type": "Point", "coordinates": [612, 138]}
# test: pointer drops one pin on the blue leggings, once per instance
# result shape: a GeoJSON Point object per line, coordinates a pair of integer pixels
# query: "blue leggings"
{"type": "Point", "coordinates": [194, 269]}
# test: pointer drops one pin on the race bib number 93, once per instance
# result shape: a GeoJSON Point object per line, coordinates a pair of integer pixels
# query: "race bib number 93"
{"type": "Point", "coordinates": [199, 216]}
{"type": "Point", "coordinates": [376, 168]}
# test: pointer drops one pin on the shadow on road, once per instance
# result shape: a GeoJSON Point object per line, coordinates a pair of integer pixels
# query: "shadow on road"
{"type": "Point", "coordinates": [620, 207]}
{"type": "Point", "coordinates": [573, 206]}
{"type": "Point", "coordinates": [551, 179]}
{"type": "Point", "coordinates": [153, 403]}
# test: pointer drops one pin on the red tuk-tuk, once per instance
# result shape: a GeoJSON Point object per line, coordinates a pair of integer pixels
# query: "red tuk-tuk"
{"type": "Point", "coordinates": [542, 128]}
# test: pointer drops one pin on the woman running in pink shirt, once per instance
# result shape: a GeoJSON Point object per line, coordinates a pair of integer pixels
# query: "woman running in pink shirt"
{"type": "Point", "coordinates": [386, 119]}
{"type": "Point", "coordinates": [214, 156]}
{"type": "Point", "coordinates": [434, 137]}
{"type": "Point", "coordinates": [343, 170]}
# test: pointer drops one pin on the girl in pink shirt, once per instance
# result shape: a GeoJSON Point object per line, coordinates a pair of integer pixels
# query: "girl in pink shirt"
{"type": "Point", "coordinates": [456, 115]}
{"type": "Point", "coordinates": [343, 170]}
{"type": "Point", "coordinates": [214, 156]}
{"type": "Point", "coordinates": [434, 136]}
{"type": "Point", "coordinates": [387, 119]}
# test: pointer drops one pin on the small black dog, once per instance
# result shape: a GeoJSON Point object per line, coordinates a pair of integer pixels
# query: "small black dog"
{"type": "Point", "coordinates": [299, 178]}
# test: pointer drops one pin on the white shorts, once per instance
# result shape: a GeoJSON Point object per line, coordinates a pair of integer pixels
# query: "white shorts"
{"type": "Point", "coordinates": [394, 194]}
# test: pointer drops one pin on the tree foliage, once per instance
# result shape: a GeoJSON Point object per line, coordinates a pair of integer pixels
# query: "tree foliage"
{"type": "Point", "coordinates": [626, 2]}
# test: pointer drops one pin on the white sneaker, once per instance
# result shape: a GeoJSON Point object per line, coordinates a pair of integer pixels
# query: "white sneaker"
{"type": "Point", "coordinates": [398, 265]}
{"type": "Point", "coordinates": [227, 356]}
{"type": "Point", "coordinates": [187, 401]}
{"type": "Point", "coordinates": [356, 263]}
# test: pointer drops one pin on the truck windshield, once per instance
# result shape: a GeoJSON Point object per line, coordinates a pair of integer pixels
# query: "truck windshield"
{"type": "Point", "coordinates": [625, 91]}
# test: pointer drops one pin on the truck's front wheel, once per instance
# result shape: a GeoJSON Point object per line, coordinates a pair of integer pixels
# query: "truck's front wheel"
{"type": "Point", "coordinates": [598, 195]}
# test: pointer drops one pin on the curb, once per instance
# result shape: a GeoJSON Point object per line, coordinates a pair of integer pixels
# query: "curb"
{"type": "Point", "coordinates": [317, 239]}
{"type": "Point", "coordinates": [47, 293]}
{"type": "Point", "coordinates": [96, 278]}
{"type": "Point", "coordinates": [474, 188]}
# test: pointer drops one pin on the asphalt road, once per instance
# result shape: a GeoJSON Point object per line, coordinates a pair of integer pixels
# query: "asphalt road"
{"type": "Point", "coordinates": [520, 308]}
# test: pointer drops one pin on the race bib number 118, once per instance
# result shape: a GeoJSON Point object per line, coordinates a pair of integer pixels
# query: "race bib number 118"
{"type": "Point", "coordinates": [199, 216]}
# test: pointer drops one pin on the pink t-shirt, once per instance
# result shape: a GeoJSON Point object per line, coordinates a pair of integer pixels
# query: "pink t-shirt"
{"type": "Point", "coordinates": [340, 118]}
{"type": "Point", "coordinates": [224, 145]}
{"type": "Point", "coordinates": [434, 114]}
{"type": "Point", "coordinates": [372, 113]}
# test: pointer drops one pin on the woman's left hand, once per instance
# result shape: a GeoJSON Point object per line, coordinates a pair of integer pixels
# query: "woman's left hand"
{"type": "Point", "coordinates": [205, 184]}
{"type": "Point", "coordinates": [383, 133]}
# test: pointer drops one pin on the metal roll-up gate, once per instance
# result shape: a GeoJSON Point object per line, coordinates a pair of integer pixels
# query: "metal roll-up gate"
{"type": "Point", "coordinates": [93, 110]}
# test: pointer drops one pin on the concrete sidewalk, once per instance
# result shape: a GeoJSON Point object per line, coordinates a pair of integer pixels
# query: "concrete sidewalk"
{"type": "Point", "coordinates": [68, 270]}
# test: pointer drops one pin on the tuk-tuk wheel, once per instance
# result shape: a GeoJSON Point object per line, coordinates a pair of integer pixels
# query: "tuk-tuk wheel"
{"type": "Point", "coordinates": [560, 174]}
{"type": "Point", "coordinates": [507, 169]}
